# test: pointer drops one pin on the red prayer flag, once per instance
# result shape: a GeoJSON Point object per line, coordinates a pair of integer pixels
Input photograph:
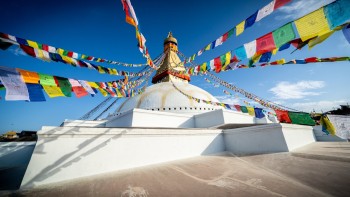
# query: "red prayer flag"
{"type": "Point", "coordinates": [70, 54]}
{"type": "Point", "coordinates": [279, 3]}
{"type": "Point", "coordinates": [283, 116]}
{"type": "Point", "coordinates": [45, 47]}
{"type": "Point", "coordinates": [79, 91]}
{"type": "Point", "coordinates": [238, 107]}
{"type": "Point", "coordinates": [224, 37]}
{"type": "Point", "coordinates": [265, 44]}
{"type": "Point", "coordinates": [28, 50]}
{"type": "Point", "coordinates": [311, 59]}
{"type": "Point", "coordinates": [217, 64]}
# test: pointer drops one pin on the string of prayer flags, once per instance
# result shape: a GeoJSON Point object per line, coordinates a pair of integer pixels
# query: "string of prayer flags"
{"type": "Point", "coordinates": [337, 13]}
{"type": "Point", "coordinates": [47, 49]}
{"type": "Point", "coordinates": [283, 116]}
{"type": "Point", "coordinates": [132, 20]}
{"type": "Point", "coordinates": [35, 92]}
{"type": "Point", "coordinates": [257, 16]}
{"type": "Point", "coordinates": [312, 25]}
{"type": "Point", "coordinates": [301, 118]}
{"type": "Point", "coordinates": [16, 89]}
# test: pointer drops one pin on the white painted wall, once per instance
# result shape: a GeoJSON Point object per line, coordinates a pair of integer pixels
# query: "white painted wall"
{"type": "Point", "coordinates": [269, 138]}
{"type": "Point", "coordinates": [83, 123]}
{"type": "Point", "coordinates": [237, 117]}
{"type": "Point", "coordinates": [209, 119]}
{"type": "Point", "coordinates": [64, 153]}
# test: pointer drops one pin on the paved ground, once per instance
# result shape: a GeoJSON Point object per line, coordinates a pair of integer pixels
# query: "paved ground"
{"type": "Point", "coordinates": [320, 169]}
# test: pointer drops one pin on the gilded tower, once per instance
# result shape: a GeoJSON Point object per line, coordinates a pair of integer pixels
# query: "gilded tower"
{"type": "Point", "coordinates": [171, 66]}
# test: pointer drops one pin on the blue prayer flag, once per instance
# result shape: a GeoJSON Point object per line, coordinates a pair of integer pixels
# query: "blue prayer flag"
{"type": "Point", "coordinates": [346, 32]}
{"type": "Point", "coordinates": [259, 113]}
{"type": "Point", "coordinates": [265, 57]}
{"type": "Point", "coordinates": [250, 20]}
{"type": "Point", "coordinates": [35, 92]}
{"type": "Point", "coordinates": [240, 53]}
{"type": "Point", "coordinates": [337, 13]}
{"type": "Point", "coordinates": [285, 46]}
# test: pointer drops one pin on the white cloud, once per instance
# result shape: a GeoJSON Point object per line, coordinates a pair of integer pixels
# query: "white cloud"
{"type": "Point", "coordinates": [17, 51]}
{"type": "Point", "coordinates": [228, 99]}
{"type": "Point", "coordinates": [319, 106]}
{"type": "Point", "coordinates": [300, 8]}
{"type": "Point", "coordinates": [287, 90]}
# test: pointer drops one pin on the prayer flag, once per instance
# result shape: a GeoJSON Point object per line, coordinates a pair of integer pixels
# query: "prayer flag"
{"type": "Point", "coordinates": [259, 113]}
{"type": "Point", "coordinates": [130, 13]}
{"type": "Point", "coordinates": [265, 11]}
{"type": "Point", "coordinates": [265, 57]}
{"type": "Point", "coordinates": [346, 32]}
{"type": "Point", "coordinates": [212, 65]}
{"type": "Point", "coordinates": [65, 86]}
{"type": "Point", "coordinates": [74, 83]}
{"type": "Point", "coordinates": [283, 47]}
{"type": "Point", "coordinates": [265, 44]}
{"type": "Point", "coordinates": [28, 76]}
{"type": "Point", "coordinates": [250, 20]}
{"type": "Point", "coordinates": [238, 107]}
{"type": "Point", "coordinates": [217, 63]}
{"type": "Point", "coordinates": [87, 87]}
{"type": "Point", "coordinates": [312, 25]}
{"type": "Point", "coordinates": [240, 28]}
{"type": "Point", "coordinates": [250, 48]}
{"type": "Point", "coordinates": [225, 60]}
{"type": "Point", "coordinates": [218, 41]}
{"type": "Point", "coordinates": [4, 45]}
{"type": "Point", "coordinates": [53, 91]}
{"type": "Point", "coordinates": [280, 3]}
{"type": "Point", "coordinates": [283, 35]}
{"type": "Point", "coordinates": [244, 109]}
{"type": "Point", "coordinates": [337, 13]}
{"type": "Point", "coordinates": [301, 118]}
{"type": "Point", "coordinates": [103, 92]}
{"type": "Point", "coordinates": [35, 92]}
{"type": "Point", "coordinates": [282, 116]}
{"type": "Point", "coordinates": [251, 111]}
{"type": "Point", "coordinates": [28, 50]}
{"type": "Point", "coordinates": [208, 47]}
{"type": "Point", "coordinates": [16, 89]}
{"type": "Point", "coordinates": [79, 91]}
{"type": "Point", "coordinates": [322, 37]}
{"type": "Point", "coordinates": [204, 67]}
{"type": "Point", "coordinates": [240, 53]}
{"type": "Point", "coordinates": [32, 44]}
{"type": "Point", "coordinates": [46, 80]}
{"type": "Point", "coordinates": [224, 37]}
{"type": "Point", "coordinates": [327, 126]}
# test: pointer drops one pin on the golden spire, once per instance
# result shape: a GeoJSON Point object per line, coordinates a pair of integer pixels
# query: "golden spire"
{"type": "Point", "coordinates": [171, 66]}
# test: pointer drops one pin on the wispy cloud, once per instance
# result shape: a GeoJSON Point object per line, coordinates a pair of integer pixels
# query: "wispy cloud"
{"type": "Point", "coordinates": [300, 8]}
{"type": "Point", "coordinates": [319, 106]}
{"type": "Point", "coordinates": [227, 99]}
{"type": "Point", "coordinates": [17, 51]}
{"type": "Point", "coordinates": [298, 90]}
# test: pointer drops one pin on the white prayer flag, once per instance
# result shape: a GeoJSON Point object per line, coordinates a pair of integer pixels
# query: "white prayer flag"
{"type": "Point", "coordinates": [267, 10]}
{"type": "Point", "coordinates": [86, 86]}
{"type": "Point", "coordinates": [250, 48]}
{"type": "Point", "coordinates": [16, 89]}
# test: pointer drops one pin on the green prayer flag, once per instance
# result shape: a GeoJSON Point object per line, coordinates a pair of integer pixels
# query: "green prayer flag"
{"type": "Point", "coordinates": [65, 53]}
{"type": "Point", "coordinates": [65, 86]}
{"type": "Point", "coordinates": [301, 118]}
{"type": "Point", "coordinates": [244, 109]}
{"type": "Point", "coordinates": [230, 33]}
{"type": "Point", "coordinates": [283, 35]}
{"type": "Point", "coordinates": [46, 80]}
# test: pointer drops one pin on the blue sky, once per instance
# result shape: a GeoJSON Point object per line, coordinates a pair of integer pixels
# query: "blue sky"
{"type": "Point", "coordinates": [98, 28]}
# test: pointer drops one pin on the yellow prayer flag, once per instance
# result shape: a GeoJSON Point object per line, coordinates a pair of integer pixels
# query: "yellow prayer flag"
{"type": "Point", "coordinates": [208, 47]}
{"type": "Point", "coordinates": [53, 91]}
{"type": "Point", "coordinates": [100, 69]}
{"type": "Point", "coordinates": [28, 76]}
{"type": "Point", "coordinates": [240, 28]}
{"type": "Point", "coordinates": [228, 58]}
{"type": "Point", "coordinates": [32, 44]}
{"type": "Point", "coordinates": [60, 51]}
{"type": "Point", "coordinates": [103, 92]}
{"type": "Point", "coordinates": [312, 25]}
{"type": "Point", "coordinates": [251, 111]}
{"type": "Point", "coordinates": [326, 124]}
{"type": "Point", "coordinates": [110, 84]}
{"type": "Point", "coordinates": [256, 57]}
{"type": "Point", "coordinates": [322, 37]}
{"type": "Point", "coordinates": [281, 61]}
{"type": "Point", "coordinates": [68, 60]}
{"type": "Point", "coordinates": [274, 51]}
{"type": "Point", "coordinates": [93, 84]}
{"type": "Point", "coordinates": [119, 95]}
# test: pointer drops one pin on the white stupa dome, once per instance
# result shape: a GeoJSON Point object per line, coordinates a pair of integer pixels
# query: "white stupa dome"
{"type": "Point", "coordinates": [164, 97]}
